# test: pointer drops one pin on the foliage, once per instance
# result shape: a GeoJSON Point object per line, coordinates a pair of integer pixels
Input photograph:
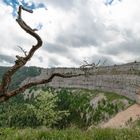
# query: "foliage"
{"type": "Point", "coordinates": [59, 108]}
{"type": "Point", "coordinates": [41, 111]}
{"type": "Point", "coordinates": [46, 109]}
{"type": "Point", "coordinates": [82, 113]}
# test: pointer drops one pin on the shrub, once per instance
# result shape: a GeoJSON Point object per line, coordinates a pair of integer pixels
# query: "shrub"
{"type": "Point", "coordinates": [42, 111]}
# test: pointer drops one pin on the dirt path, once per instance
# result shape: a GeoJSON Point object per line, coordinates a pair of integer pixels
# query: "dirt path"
{"type": "Point", "coordinates": [123, 117]}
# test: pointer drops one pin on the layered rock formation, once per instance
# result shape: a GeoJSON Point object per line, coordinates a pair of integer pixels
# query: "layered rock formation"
{"type": "Point", "coordinates": [122, 79]}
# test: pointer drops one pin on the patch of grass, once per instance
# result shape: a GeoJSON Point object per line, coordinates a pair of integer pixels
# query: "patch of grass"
{"type": "Point", "coordinates": [135, 124]}
{"type": "Point", "coordinates": [69, 134]}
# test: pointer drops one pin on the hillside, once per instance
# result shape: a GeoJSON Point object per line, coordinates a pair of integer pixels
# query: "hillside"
{"type": "Point", "coordinates": [21, 75]}
{"type": "Point", "coordinates": [122, 79]}
{"type": "Point", "coordinates": [59, 106]}
{"type": "Point", "coordinates": [79, 107]}
{"type": "Point", "coordinates": [46, 113]}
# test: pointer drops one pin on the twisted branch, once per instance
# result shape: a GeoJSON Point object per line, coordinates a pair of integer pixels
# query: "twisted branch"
{"type": "Point", "coordinates": [21, 61]}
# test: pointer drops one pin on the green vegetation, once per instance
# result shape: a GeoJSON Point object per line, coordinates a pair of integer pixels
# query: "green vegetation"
{"type": "Point", "coordinates": [133, 124]}
{"type": "Point", "coordinates": [38, 111]}
{"type": "Point", "coordinates": [69, 134]}
{"type": "Point", "coordinates": [60, 108]}
{"type": "Point", "coordinates": [66, 114]}
{"type": "Point", "coordinates": [20, 75]}
{"type": "Point", "coordinates": [89, 107]}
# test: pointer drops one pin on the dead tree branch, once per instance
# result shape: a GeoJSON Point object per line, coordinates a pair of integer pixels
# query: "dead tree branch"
{"type": "Point", "coordinates": [25, 52]}
{"type": "Point", "coordinates": [21, 61]}
{"type": "Point", "coordinates": [89, 66]}
{"type": "Point", "coordinates": [28, 85]}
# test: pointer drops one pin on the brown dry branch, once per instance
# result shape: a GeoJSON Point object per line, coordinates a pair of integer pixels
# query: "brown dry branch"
{"type": "Point", "coordinates": [25, 52]}
{"type": "Point", "coordinates": [5, 94]}
{"type": "Point", "coordinates": [89, 66]}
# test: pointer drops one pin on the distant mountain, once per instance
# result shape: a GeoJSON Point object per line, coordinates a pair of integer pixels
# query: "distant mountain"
{"type": "Point", "coordinates": [20, 75]}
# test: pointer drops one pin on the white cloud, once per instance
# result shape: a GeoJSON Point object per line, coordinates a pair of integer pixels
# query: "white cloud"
{"type": "Point", "coordinates": [84, 28]}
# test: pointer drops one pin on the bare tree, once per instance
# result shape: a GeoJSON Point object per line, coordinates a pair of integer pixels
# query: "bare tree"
{"type": "Point", "coordinates": [5, 94]}
{"type": "Point", "coordinates": [86, 67]}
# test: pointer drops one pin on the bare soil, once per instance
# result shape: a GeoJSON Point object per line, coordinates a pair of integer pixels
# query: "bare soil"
{"type": "Point", "coordinates": [131, 114]}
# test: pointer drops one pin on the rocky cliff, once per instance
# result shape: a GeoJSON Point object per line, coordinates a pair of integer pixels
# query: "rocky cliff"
{"type": "Point", "coordinates": [122, 79]}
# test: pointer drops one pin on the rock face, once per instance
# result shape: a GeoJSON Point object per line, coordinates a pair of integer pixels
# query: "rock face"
{"type": "Point", "coordinates": [122, 79]}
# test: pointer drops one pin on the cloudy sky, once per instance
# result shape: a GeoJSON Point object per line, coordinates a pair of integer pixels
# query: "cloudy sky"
{"type": "Point", "coordinates": [72, 31]}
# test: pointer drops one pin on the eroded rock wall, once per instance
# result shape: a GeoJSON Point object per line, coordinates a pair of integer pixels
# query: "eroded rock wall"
{"type": "Point", "coordinates": [122, 79]}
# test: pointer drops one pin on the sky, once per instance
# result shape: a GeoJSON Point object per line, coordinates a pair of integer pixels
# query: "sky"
{"type": "Point", "coordinates": [72, 31]}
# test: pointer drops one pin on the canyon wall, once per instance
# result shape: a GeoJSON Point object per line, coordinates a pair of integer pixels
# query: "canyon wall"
{"type": "Point", "coordinates": [122, 79]}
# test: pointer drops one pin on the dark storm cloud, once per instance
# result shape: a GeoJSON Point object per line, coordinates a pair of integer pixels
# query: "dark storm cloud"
{"type": "Point", "coordinates": [6, 58]}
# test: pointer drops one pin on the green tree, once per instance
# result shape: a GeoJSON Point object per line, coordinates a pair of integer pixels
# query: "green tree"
{"type": "Point", "coordinates": [40, 111]}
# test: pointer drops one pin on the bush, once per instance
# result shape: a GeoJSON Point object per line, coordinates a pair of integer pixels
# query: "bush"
{"type": "Point", "coordinates": [42, 111]}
